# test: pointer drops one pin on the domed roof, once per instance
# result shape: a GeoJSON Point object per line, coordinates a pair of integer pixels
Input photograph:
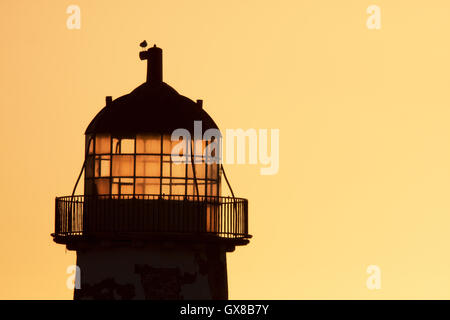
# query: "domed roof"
{"type": "Point", "coordinates": [153, 107]}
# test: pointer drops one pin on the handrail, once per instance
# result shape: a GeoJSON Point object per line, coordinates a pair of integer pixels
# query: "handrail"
{"type": "Point", "coordinates": [222, 217]}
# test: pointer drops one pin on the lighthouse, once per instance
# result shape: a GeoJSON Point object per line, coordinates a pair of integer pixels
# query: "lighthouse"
{"type": "Point", "coordinates": [152, 223]}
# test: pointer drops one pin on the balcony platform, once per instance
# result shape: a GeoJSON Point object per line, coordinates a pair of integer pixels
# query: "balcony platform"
{"type": "Point", "coordinates": [80, 220]}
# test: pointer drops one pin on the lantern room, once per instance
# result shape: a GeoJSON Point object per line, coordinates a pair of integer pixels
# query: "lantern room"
{"type": "Point", "coordinates": [152, 167]}
{"type": "Point", "coordinates": [143, 163]}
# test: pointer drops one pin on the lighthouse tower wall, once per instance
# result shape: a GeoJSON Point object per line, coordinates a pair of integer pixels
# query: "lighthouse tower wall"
{"type": "Point", "coordinates": [152, 271]}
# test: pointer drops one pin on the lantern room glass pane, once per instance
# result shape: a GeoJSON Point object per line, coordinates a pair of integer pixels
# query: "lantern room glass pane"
{"type": "Point", "coordinates": [123, 145]}
{"type": "Point", "coordinates": [115, 145]}
{"type": "Point", "coordinates": [167, 144]}
{"type": "Point", "coordinates": [178, 189]}
{"type": "Point", "coordinates": [192, 189]}
{"type": "Point", "coordinates": [148, 143]}
{"type": "Point", "coordinates": [200, 169]}
{"type": "Point", "coordinates": [89, 144]}
{"type": "Point", "coordinates": [212, 171]}
{"type": "Point", "coordinates": [166, 169]}
{"type": "Point", "coordinates": [165, 189]}
{"type": "Point", "coordinates": [122, 165]}
{"type": "Point", "coordinates": [122, 186]}
{"type": "Point", "coordinates": [147, 186]}
{"type": "Point", "coordinates": [126, 189]}
{"type": "Point", "coordinates": [102, 186]}
{"type": "Point", "coordinates": [127, 146]}
{"type": "Point", "coordinates": [213, 190]}
{"type": "Point", "coordinates": [201, 188]}
{"type": "Point", "coordinates": [148, 166]}
{"type": "Point", "coordinates": [178, 170]}
{"type": "Point", "coordinates": [114, 188]}
{"type": "Point", "coordinates": [102, 143]}
{"type": "Point", "coordinates": [102, 166]}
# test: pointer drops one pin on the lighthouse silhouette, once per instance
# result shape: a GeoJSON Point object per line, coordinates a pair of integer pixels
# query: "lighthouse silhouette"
{"type": "Point", "coordinates": [152, 223]}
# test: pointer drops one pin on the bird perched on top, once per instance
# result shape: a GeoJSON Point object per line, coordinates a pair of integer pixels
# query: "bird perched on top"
{"type": "Point", "coordinates": [143, 44]}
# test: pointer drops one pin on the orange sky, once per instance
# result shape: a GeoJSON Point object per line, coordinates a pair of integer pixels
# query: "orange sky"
{"type": "Point", "coordinates": [364, 133]}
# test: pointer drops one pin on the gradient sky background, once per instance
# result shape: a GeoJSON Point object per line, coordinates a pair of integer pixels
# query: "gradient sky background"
{"type": "Point", "coordinates": [364, 133]}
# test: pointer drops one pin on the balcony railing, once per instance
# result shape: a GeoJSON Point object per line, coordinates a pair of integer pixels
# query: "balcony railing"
{"type": "Point", "coordinates": [150, 215]}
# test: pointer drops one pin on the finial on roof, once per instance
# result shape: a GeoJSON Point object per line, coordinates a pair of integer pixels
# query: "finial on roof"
{"type": "Point", "coordinates": [153, 56]}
